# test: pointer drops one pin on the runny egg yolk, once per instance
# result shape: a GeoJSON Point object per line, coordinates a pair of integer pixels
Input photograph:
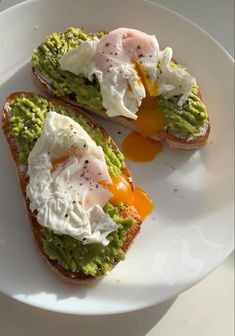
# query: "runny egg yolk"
{"type": "Point", "coordinates": [150, 86]}
{"type": "Point", "coordinates": [137, 146]}
{"type": "Point", "coordinates": [142, 202]}
{"type": "Point", "coordinates": [150, 117]}
{"type": "Point", "coordinates": [123, 192]}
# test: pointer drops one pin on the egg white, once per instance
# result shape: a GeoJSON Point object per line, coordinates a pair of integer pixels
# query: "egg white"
{"type": "Point", "coordinates": [117, 99]}
{"type": "Point", "coordinates": [172, 80]}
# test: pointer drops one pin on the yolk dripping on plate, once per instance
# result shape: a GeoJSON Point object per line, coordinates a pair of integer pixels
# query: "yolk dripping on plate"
{"type": "Point", "coordinates": [138, 146]}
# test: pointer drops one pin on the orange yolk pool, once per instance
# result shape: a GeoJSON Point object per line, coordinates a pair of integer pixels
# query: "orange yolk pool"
{"type": "Point", "coordinates": [123, 192]}
{"type": "Point", "coordinates": [139, 148]}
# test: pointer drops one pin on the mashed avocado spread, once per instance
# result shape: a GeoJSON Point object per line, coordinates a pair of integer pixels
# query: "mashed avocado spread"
{"type": "Point", "coordinates": [27, 119]}
{"type": "Point", "coordinates": [186, 122]}
{"type": "Point", "coordinates": [64, 83]}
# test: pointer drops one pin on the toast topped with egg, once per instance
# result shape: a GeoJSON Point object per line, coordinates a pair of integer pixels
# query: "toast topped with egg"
{"type": "Point", "coordinates": [123, 76]}
{"type": "Point", "coordinates": [83, 208]}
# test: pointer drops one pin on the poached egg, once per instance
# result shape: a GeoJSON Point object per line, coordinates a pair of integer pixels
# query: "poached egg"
{"type": "Point", "coordinates": [65, 168]}
{"type": "Point", "coordinates": [129, 67]}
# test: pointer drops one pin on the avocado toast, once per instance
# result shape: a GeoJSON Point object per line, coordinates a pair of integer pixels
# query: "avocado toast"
{"type": "Point", "coordinates": [185, 126]}
{"type": "Point", "coordinates": [23, 118]}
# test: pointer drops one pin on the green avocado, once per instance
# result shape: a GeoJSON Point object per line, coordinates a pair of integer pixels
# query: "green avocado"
{"type": "Point", "coordinates": [91, 259]}
{"type": "Point", "coordinates": [64, 83]}
{"type": "Point", "coordinates": [27, 119]}
{"type": "Point", "coordinates": [186, 122]}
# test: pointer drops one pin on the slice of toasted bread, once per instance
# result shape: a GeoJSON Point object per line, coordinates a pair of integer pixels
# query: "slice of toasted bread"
{"type": "Point", "coordinates": [175, 140]}
{"type": "Point", "coordinates": [128, 212]}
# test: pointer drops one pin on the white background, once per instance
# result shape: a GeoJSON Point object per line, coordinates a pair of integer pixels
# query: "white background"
{"type": "Point", "coordinates": [207, 308]}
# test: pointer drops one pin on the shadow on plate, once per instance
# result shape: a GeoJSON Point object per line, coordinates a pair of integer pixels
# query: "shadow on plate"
{"type": "Point", "coordinates": [135, 323]}
{"type": "Point", "coordinates": [22, 80]}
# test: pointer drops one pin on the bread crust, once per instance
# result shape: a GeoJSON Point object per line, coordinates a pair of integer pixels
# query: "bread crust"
{"type": "Point", "coordinates": [77, 277]}
{"type": "Point", "coordinates": [173, 140]}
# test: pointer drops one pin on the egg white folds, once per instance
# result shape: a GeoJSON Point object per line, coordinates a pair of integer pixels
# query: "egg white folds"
{"type": "Point", "coordinates": [113, 59]}
{"type": "Point", "coordinates": [128, 65]}
{"type": "Point", "coordinates": [173, 80]}
{"type": "Point", "coordinates": [65, 169]}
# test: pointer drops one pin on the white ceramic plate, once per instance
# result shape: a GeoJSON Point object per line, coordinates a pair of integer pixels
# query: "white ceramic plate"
{"type": "Point", "coordinates": [191, 228]}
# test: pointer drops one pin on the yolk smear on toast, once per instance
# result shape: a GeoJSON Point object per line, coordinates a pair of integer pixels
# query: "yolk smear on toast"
{"type": "Point", "coordinates": [123, 192]}
{"type": "Point", "coordinates": [150, 117]}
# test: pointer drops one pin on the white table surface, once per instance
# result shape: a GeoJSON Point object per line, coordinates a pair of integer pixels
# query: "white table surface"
{"type": "Point", "coordinates": [207, 309]}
